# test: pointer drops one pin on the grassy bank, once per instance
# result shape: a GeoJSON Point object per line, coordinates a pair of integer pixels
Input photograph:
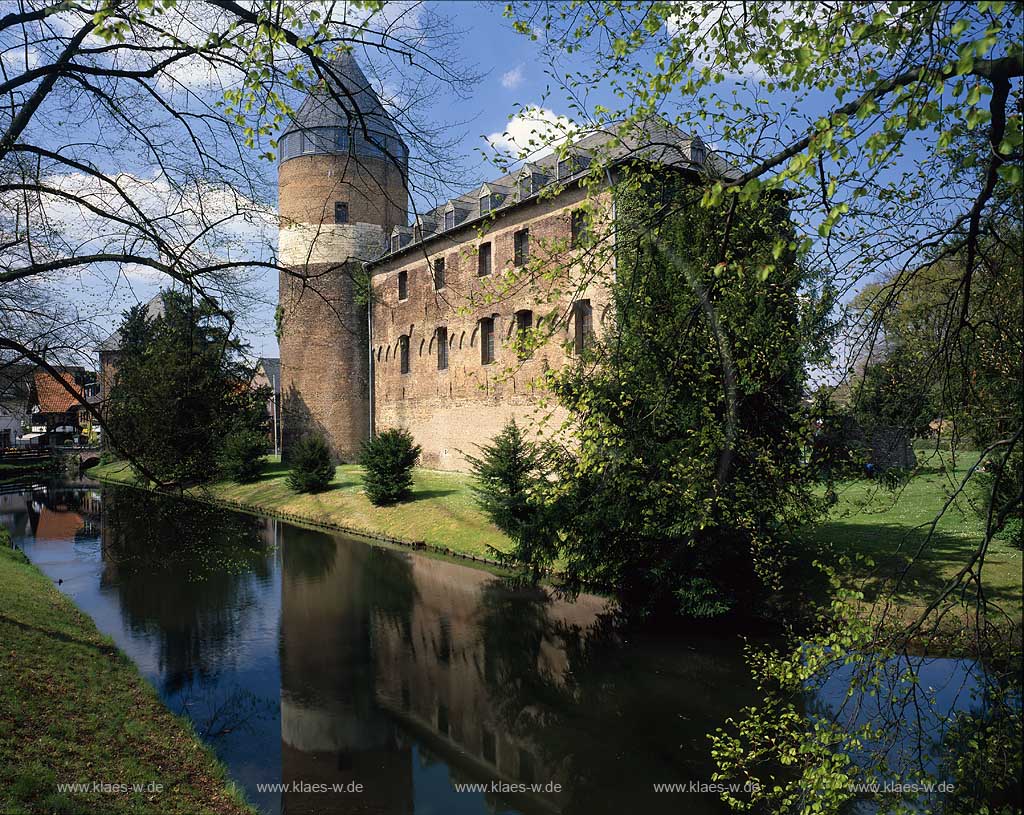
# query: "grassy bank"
{"type": "Point", "coordinates": [74, 710]}
{"type": "Point", "coordinates": [441, 511]}
{"type": "Point", "coordinates": [892, 527]}
{"type": "Point", "coordinates": [868, 520]}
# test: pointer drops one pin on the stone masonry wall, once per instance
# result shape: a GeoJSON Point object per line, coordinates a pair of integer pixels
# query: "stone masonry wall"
{"type": "Point", "coordinates": [450, 412]}
{"type": "Point", "coordinates": [324, 364]}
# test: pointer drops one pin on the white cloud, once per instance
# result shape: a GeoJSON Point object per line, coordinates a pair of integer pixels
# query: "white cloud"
{"type": "Point", "coordinates": [510, 80]}
{"type": "Point", "coordinates": [20, 58]}
{"type": "Point", "coordinates": [206, 224]}
{"type": "Point", "coordinates": [532, 132]}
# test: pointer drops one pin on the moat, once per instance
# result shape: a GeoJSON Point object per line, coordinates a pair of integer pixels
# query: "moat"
{"type": "Point", "coordinates": [332, 676]}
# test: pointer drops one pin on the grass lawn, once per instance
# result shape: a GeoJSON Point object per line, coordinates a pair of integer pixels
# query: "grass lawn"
{"type": "Point", "coordinates": [442, 511]}
{"type": "Point", "coordinates": [868, 520]}
{"type": "Point", "coordinates": [74, 710]}
{"type": "Point", "coordinates": [890, 526]}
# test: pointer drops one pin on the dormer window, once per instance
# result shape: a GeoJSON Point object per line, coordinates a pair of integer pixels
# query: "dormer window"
{"type": "Point", "coordinates": [570, 165]}
{"type": "Point", "coordinates": [485, 204]}
{"type": "Point", "coordinates": [698, 152]}
{"type": "Point", "coordinates": [395, 242]}
{"type": "Point", "coordinates": [525, 187]}
{"type": "Point", "coordinates": [449, 219]}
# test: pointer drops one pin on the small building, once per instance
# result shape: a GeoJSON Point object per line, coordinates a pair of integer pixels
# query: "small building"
{"type": "Point", "coordinates": [268, 375]}
{"type": "Point", "coordinates": [57, 413]}
{"type": "Point", "coordinates": [110, 348]}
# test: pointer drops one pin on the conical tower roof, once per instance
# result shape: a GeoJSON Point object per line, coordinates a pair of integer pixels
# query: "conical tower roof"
{"type": "Point", "coordinates": [346, 106]}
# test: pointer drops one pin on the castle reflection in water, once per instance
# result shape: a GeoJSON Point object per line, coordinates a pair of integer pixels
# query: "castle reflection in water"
{"type": "Point", "coordinates": [404, 674]}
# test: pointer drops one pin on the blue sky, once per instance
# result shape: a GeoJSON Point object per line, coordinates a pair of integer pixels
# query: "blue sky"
{"type": "Point", "coordinates": [512, 74]}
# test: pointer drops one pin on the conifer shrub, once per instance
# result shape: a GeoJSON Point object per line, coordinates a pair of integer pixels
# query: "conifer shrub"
{"type": "Point", "coordinates": [241, 455]}
{"type": "Point", "coordinates": [387, 460]}
{"type": "Point", "coordinates": [508, 488]}
{"type": "Point", "coordinates": [311, 468]}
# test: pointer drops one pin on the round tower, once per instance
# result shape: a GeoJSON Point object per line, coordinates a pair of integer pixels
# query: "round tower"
{"type": "Point", "coordinates": [341, 190]}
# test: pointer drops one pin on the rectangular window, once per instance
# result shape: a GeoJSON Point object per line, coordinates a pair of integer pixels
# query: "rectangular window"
{"type": "Point", "coordinates": [340, 212]}
{"type": "Point", "coordinates": [525, 187]}
{"type": "Point", "coordinates": [583, 325]}
{"type": "Point", "coordinates": [566, 167]}
{"type": "Point", "coordinates": [487, 340]}
{"type": "Point", "coordinates": [485, 204]}
{"type": "Point", "coordinates": [403, 350]}
{"type": "Point", "coordinates": [403, 285]}
{"type": "Point", "coordinates": [438, 273]}
{"type": "Point", "coordinates": [395, 240]}
{"type": "Point", "coordinates": [341, 140]}
{"type": "Point", "coordinates": [521, 244]}
{"type": "Point", "coordinates": [449, 219]}
{"type": "Point", "coordinates": [442, 348]}
{"type": "Point", "coordinates": [580, 232]}
{"type": "Point", "coordinates": [483, 256]}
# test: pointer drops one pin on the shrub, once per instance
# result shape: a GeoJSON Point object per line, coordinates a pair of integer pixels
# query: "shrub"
{"type": "Point", "coordinates": [241, 455]}
{"type": "Point", "coordinates": [388, 459]}
{"type": "Point", "coordinates": [311, 467]}
{"type": "Point", "coordinates": [997, 489]}
{"type": "Point", "coordinates": [509, 476]}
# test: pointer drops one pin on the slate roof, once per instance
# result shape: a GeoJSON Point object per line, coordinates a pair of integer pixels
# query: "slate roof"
{"type": "Point", "coordinates": [272, 368]}
{"type": "Point", "coordinates": [52, 396]}
{"type": "Point", "coordinates": [654, 140]}
{"type": "Point", "coordinates": [353, 103]}
{"type": "Point", "coordinates": [154, 309]}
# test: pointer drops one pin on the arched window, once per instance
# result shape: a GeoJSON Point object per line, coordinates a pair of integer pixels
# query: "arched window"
{"type": "Point", "coordinates": [583, 325]}
{"type": "Point", "coordinates": [403, 352]}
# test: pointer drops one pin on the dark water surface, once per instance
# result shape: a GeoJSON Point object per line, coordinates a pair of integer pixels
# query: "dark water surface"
{"type": "Point", "coordinates": [309, 658]}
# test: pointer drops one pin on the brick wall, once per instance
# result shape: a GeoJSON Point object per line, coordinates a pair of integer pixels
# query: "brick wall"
{"type": "Point", "coordinates": [450, 412]}
{"type": "Point", "coordinates": [324, 365]}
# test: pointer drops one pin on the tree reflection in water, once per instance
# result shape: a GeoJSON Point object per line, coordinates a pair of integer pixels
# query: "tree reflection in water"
{"type": "Point", "coordinates": [393, 663]}
{"type": "Point", "coordinates": [202, 568]}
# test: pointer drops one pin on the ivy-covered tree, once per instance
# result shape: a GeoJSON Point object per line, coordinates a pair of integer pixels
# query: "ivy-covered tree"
{"type": "Point", "coordinates": [895, 130]}
{"type": "Point", "coordinates": [688, 473]}
{"type": "Point", "coordinates": [182, 386]}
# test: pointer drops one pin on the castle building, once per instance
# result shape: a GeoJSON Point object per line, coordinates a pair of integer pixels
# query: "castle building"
{"type": "Point", "coordinates": [386, 324]}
